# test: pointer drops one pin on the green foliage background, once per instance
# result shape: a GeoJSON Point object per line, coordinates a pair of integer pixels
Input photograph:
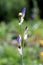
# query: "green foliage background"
{"type": "Point", "coordinates": [9, 54]}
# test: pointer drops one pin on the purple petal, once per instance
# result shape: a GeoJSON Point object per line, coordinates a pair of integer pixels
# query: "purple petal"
{"type": "Point", "coordinates": [24, 10]}
{"type": "Point", "coordinates": [19, 39]}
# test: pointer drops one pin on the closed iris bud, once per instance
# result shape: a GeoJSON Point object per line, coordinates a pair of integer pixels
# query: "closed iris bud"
{"type": "Point", "coordinates": [19, 38]}
{"type": "Point", "coordinates": [22, 14]}
{"type": "Point", "coordinates": [20, 50]}
{"type": "Point", "coordinates": [26, 28]}
{"type": "Point", "coordinates": [23, 11]}
{"type": "Point", "coordinates": [26, 33]}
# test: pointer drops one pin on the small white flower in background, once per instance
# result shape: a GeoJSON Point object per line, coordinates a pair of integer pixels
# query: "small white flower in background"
{"type": "Point", "coordinates": [22, 14]}
{"type": "Point", "coordinates": [19, 39]}
{"type": "Point", "coordinates": [35, 26]}
{"type": "Point", "coordinates": [26, 33]}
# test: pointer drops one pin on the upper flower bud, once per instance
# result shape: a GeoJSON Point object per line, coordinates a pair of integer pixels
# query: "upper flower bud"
{"type": "Point", "coordinates": [22, 14]}
{"type": "Point", "coordinates": [24, 10]}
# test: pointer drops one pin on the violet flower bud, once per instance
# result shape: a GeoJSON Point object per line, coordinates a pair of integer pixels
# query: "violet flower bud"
{"type": "Point", "coordinates": [24, 11]}
{"type": "Point", "coordinates": [19, 39]}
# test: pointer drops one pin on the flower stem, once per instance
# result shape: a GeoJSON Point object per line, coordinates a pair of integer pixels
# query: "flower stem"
{"type": "Point", "coordinates": [22, 46]}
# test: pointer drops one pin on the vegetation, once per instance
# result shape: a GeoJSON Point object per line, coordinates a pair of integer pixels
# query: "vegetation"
{"type": "Point", "coordinates": [9, 53]}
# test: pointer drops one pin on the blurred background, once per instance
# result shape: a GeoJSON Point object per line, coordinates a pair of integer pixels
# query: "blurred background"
{"type": "Point", "coordinates": [9, 30]}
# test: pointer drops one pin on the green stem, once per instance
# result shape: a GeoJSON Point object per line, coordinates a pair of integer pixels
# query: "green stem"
{"type": "Point", "coordinates": [22, 44]}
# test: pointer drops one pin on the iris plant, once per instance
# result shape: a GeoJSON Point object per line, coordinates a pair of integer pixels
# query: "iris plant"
{"type": "Point", "coordinates": [19, 38]}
